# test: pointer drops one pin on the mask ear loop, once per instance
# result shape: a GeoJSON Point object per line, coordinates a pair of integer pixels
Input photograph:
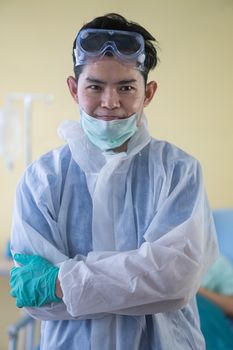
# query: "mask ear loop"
{"type": "Point", "coordinates": [140, 113]}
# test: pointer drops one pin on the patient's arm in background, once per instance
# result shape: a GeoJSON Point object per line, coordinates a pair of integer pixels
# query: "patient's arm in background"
{"type": "Point", "coordinates": [225, 302]}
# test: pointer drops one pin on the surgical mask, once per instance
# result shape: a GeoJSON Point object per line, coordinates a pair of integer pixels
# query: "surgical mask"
{"type": "Point", "coordinates": [111, 134]}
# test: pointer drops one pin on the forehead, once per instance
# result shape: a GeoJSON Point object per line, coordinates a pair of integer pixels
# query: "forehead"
{"type": "Point", "coordinates": [110, 70]}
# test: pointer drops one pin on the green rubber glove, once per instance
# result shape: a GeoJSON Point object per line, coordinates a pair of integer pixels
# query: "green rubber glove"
{"type": "Point", "coordinates": [33, 283]}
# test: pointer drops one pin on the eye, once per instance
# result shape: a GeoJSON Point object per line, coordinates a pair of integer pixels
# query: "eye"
{"type": "Point", "coordinates": [127, 88]}
{"type": "Point", "coordinates": [94, 87]}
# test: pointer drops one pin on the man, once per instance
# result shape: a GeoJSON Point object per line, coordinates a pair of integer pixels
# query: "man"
{"type": "Point", "coordinates": [112, 233]}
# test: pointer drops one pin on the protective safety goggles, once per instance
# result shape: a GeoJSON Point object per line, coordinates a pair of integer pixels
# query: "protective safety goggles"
{"type": "Point", "coordinates": [95, 43]}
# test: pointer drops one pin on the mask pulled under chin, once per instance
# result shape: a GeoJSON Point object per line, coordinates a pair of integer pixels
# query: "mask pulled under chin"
{"type": "Point", "coordinates": [111, 134]}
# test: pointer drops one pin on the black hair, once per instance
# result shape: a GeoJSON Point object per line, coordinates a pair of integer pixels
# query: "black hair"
{"type": "Point", "coordinates": [118, 22]}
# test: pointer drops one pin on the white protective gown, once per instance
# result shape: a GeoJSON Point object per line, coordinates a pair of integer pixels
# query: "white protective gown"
{"type": "Point", "coordinates": [133, 235]}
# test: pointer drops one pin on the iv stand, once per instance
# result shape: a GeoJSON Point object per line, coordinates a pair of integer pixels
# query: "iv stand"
{"type": "Point", "coordinates": [28, 99]}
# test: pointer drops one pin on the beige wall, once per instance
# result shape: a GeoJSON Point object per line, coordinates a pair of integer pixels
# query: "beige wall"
{"type": "Point", "coordinates": [193, 106]}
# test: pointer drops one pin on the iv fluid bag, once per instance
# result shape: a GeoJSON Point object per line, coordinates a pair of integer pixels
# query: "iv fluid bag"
{"type": "Point", "coordinates": [10, 145]}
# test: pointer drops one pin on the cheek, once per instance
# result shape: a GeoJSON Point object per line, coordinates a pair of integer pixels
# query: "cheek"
{"type": "Point", "coordinates": [89, 104]}
{"type": "Point", "coordinates": [134, 104]}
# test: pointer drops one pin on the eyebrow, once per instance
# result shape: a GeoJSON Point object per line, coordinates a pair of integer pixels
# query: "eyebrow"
{"type": "Point", "coordinates": [121, 82]}
{"type": "Point", "coordinates": [93, 80]}
{"type": "Point", "coordinates": [126, 81]}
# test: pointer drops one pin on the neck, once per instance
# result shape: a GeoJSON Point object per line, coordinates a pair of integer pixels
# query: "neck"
{"type": "Point", "coordinates": [121, 148]}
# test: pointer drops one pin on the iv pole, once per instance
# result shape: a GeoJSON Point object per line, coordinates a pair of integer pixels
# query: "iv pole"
{"type": "Point", "coordinates": [28, 99]}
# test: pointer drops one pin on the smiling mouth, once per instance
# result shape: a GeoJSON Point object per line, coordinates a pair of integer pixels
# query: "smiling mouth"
{"type": "Point", "coordinates": [108, 118]}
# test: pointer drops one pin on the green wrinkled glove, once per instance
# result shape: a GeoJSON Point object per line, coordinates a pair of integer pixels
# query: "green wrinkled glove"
{"type": "Point", "coordinates": [33, 283]}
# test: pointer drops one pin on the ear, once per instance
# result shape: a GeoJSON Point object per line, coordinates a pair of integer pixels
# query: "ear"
{"type": "Point", "coordinates": [151, 87]}
{"type": "Point", "coordinates": [73, 87]}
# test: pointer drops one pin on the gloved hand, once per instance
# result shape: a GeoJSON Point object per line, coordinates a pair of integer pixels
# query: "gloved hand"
{"type": "Point", "coordinates": [33, 283]}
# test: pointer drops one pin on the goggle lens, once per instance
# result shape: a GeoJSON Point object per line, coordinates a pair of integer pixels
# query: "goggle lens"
{"type": "Point", "coordinates": [94, 42]}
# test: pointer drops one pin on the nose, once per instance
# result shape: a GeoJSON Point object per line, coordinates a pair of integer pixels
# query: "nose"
{"type": "Point", "coordinates": [110, 99]}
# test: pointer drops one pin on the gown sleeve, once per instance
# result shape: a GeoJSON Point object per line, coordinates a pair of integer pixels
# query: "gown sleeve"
{"type": "Point", "coordinates": [165, 272]}
{"type": "Point", "coordinates": [34, 225]}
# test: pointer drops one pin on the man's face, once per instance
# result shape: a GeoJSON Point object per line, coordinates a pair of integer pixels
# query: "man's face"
{"type": "Point", "coordinates": [107, 89]}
